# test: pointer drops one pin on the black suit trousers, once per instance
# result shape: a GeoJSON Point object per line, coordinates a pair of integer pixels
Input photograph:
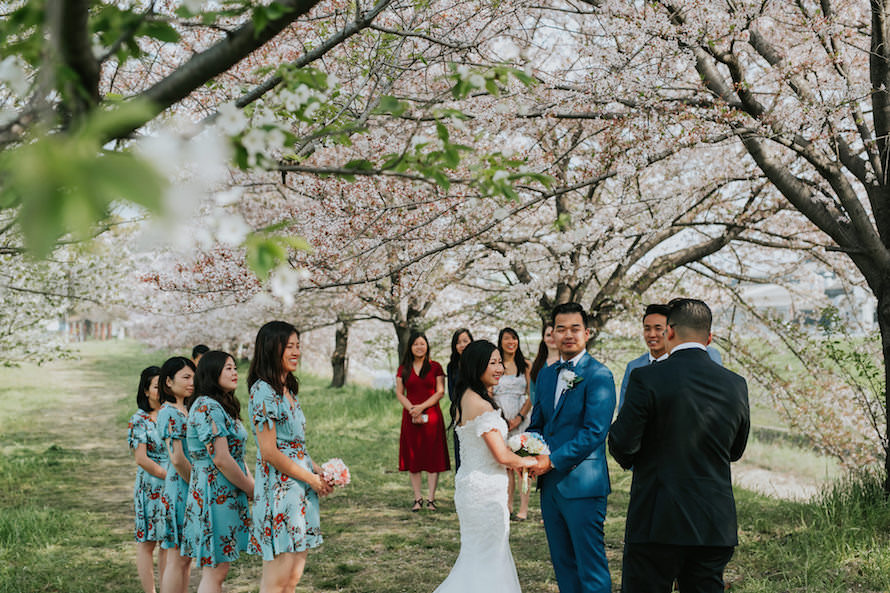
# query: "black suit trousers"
{"type": "Point", "coordinates": [653, 568]}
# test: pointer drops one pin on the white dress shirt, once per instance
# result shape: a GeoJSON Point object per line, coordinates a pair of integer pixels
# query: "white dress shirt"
{"type": "Point", "coordinates": [561, 385]}
{"type": "Point", "coordinates": [687, 346]}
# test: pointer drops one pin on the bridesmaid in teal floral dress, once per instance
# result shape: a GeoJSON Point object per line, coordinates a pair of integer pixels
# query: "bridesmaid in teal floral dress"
{"type": "Point", "coordinates": [285, 513]}
{"type": "Point", "coordinates": [151, 457]}
{"type": "Point", "coordinates": [217, 518]}
{"type": "Point", "coordinates": [176, 383]}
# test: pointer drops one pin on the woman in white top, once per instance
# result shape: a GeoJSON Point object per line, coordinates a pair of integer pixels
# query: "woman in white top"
{"type": "Point", "coordinates": [512, 396]}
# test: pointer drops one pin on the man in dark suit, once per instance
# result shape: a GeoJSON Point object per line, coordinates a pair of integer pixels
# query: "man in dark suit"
{"type": "Point", "coordinates": [683, 421]}
{"type": "Point", "coordinates": [575, 403]}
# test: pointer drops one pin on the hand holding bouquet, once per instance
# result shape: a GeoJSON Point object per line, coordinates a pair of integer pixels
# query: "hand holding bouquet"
{"type": "Point", "coordinates": [527, 444]}
{"type": "Point", "coordinates": [335, 472]}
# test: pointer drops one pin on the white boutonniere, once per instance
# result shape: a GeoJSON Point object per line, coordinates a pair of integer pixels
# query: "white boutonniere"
{"type": "Point", "coordinates": [570, 378]}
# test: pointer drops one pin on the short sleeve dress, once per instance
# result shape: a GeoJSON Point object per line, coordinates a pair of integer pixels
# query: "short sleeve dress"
{"type": "Point", "coordinates": [147, 491]}
{"type": "Point", "coordinates": [286, 515]}
{"type": "Point", "coordinates": [509, 393]}
{"type": "Point", "coordinates": [422, 447]}
{"type": "Point", "coordinates": [217, 518]}
{"type": "Point", "coordinates": [172, 426]}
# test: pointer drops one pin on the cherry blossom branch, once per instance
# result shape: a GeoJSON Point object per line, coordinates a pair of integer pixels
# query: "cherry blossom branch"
{"type": "Point", "coordinates": [360, 23]}
{"type": "Point", "coordinates": [215, 60]}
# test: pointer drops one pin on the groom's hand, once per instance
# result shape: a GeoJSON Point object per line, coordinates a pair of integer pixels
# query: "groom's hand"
{"type": "Point", "coordinates": [543, 465]}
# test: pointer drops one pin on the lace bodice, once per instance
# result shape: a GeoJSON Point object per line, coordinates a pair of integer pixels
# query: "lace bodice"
{"type": "Point", "coordinates": [484, 564]}
{"type": "Point", "coordinates": [474, 453]}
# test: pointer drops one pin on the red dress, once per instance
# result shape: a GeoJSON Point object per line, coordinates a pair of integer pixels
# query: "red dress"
{"type": "Point", "coordinates": [422, 447]}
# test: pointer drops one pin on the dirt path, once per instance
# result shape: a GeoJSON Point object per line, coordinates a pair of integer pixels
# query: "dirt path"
{"type": "Point", "coordinates": [776, 484]}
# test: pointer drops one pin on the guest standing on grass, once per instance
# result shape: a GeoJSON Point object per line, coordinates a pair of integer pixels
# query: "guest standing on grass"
{"type": "Point", "coordinates": [512, 396]}
{"type": "Point", "coordinates": [286, 521]}
{"type": "Point", "coordinates": [547, 355]}
{"type": "Point", "coordinates": [420, 384]}
{"type": "Point", "coordinates": [151, 459]}
{"type": "Point", "coordinates": [175, 385]}
{"type": "Point", "coordinates": [460, 339]}
{"type": "Point", "coordinates": [683, 422]}
{"type": "Point", "coordinates": [217, 518]}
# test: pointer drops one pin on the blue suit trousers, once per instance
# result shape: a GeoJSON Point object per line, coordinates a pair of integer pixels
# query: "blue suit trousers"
{"type": "Point", "coordinates": [574, 529]}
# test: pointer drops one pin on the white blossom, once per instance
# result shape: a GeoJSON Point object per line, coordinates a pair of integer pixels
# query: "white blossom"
{"type": "Point", "coordinates": [284, 283]}
{"type": "Point", "coordinates": [231, 229]}
{"type": "Point", "coordinates": [275, 139]}
{"type": "Point", "coordinates": [311, 109]}
{"type": "Point", "coordinates": [194, 6]}
{"type": "Point", "coordinates": [477, 80]}
{"type": "Point", "coordinates": [231, 120]}
{"type": "Point", "coordinates": [254, 141]}
{"type": "Point", "coordinates": [12, 73]}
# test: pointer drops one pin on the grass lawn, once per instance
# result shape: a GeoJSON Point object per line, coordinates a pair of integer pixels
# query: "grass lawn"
{"type": "Point", "coordinates": [66, 500]}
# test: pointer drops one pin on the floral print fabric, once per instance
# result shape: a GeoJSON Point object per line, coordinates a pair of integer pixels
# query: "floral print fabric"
{"type": "Point", "coordinates": [172, 426]}
{"type": "Point", "coordinates": [147, 491]}
{"type": "Point", "coordinates": [285, 512]}
{"type": "Point", "coordinates": [217, 520]}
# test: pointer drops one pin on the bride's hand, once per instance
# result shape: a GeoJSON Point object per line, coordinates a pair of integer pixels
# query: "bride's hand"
{"type": "Point", "coordinates": [525, 463]}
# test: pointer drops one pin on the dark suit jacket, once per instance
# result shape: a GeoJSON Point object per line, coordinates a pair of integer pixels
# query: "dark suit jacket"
{"type": "Point", "coordinates": [575, 428]}
{"type": "Point", "coordinates": [683, 421]}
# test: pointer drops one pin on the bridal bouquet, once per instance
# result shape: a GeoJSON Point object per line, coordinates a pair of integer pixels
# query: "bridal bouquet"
{"type": "Point", "coordinates": [527, 444]}
{"type": "Point", "coordinates": [335, 472]}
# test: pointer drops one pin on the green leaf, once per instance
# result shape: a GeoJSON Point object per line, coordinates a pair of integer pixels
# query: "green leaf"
{"type": "Point", "coordinates": [391, 105]}
{"type": "Point", "coordinates": [159, 30]}
{"type": "Point", "coordinates": [104, 124]}
{"type": "Point", "coordinates": [359, 165]}
{"type": "Point", "coordinates": [442, 132]}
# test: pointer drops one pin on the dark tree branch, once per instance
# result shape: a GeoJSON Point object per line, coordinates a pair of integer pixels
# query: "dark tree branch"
{"type": "Point", "coordinates": [215, 60]}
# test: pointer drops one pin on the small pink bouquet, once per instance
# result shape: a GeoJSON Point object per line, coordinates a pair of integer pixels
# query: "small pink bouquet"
{"type": "Point", "coordinates": [335, 472]}
{"type": "Point", "coordinates": [527, 444]}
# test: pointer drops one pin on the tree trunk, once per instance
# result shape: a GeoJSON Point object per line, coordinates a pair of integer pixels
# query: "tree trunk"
{"type": "Point", "coordinates": [339, 361]}
{"type": "Point", "coordinates": [405, 326]}
{"type": "Point", "coordinates": [883, 313]}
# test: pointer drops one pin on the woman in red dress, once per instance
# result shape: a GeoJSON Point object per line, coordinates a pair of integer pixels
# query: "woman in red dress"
{"type": "Point", "coordinates": [420, 384]}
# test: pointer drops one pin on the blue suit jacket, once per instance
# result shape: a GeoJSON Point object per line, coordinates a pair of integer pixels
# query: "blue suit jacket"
{"type": "Point", "coordinates": [636, 363]}
{"type": "Point", "coordinates": [576, 428]}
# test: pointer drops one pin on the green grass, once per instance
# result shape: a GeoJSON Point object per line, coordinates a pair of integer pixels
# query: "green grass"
{"type": "Point", "coordinates": [66, 499]}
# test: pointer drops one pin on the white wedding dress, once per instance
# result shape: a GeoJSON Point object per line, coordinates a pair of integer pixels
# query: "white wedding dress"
{"type": "Point", "coordinates": [485, 564]}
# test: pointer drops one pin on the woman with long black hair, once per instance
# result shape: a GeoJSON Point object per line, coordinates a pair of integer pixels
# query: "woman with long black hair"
{"type": "Point", "coordinates": [217, 518]}
{"type": "Point", "coordinates": [485, 562]}
{"type": "Point", "coordinates": [420, 384]}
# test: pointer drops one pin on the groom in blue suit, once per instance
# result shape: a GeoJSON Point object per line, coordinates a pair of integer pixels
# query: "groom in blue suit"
{"type": "Point", "coordinates": [575, 403]}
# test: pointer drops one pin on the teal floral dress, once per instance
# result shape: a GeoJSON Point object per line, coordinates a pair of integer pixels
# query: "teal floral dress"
{"type": "Point", "coordinates": [147, 491]}
{"type": "Point", "coordinates": [172, 426]}
{"type": "Point", "coordinates": [285, 511]}
{"type": "Point", "coordinates": [217, 518]}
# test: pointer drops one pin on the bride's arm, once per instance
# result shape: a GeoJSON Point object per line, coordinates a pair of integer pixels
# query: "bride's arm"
{"type": "Point", "coordinates": [502, 453]}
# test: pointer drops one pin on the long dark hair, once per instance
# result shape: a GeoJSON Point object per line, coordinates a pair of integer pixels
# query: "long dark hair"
{"type": "Point", "coordinates": [268, 351]}
{"type": "Point", "coordinates": [408, 357]}
{"type": "Point", "coordinates": [541, 359]}
{"type": "Point", "coordinates": [518, 358]}
{"type": "Point", "coordinates": [210, 367]}
{"type": "Point", "coordinates": [455, 356]}
{"type": "Point", "coordinates": [473, 363]}
{"type": "Point", "coordinates": [169, 369]}
{"type": "Point", "coordinates": [148, 374]}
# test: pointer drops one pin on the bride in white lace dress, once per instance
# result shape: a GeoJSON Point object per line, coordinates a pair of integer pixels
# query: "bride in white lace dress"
{"type": "Point", "coordinates": [485, 563]}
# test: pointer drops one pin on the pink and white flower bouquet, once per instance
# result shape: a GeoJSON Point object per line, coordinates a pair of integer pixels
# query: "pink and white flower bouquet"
{"type": "Point", "coordinates": [335, 472]}
{"type": "Point", "coordinates": [527, 444]}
